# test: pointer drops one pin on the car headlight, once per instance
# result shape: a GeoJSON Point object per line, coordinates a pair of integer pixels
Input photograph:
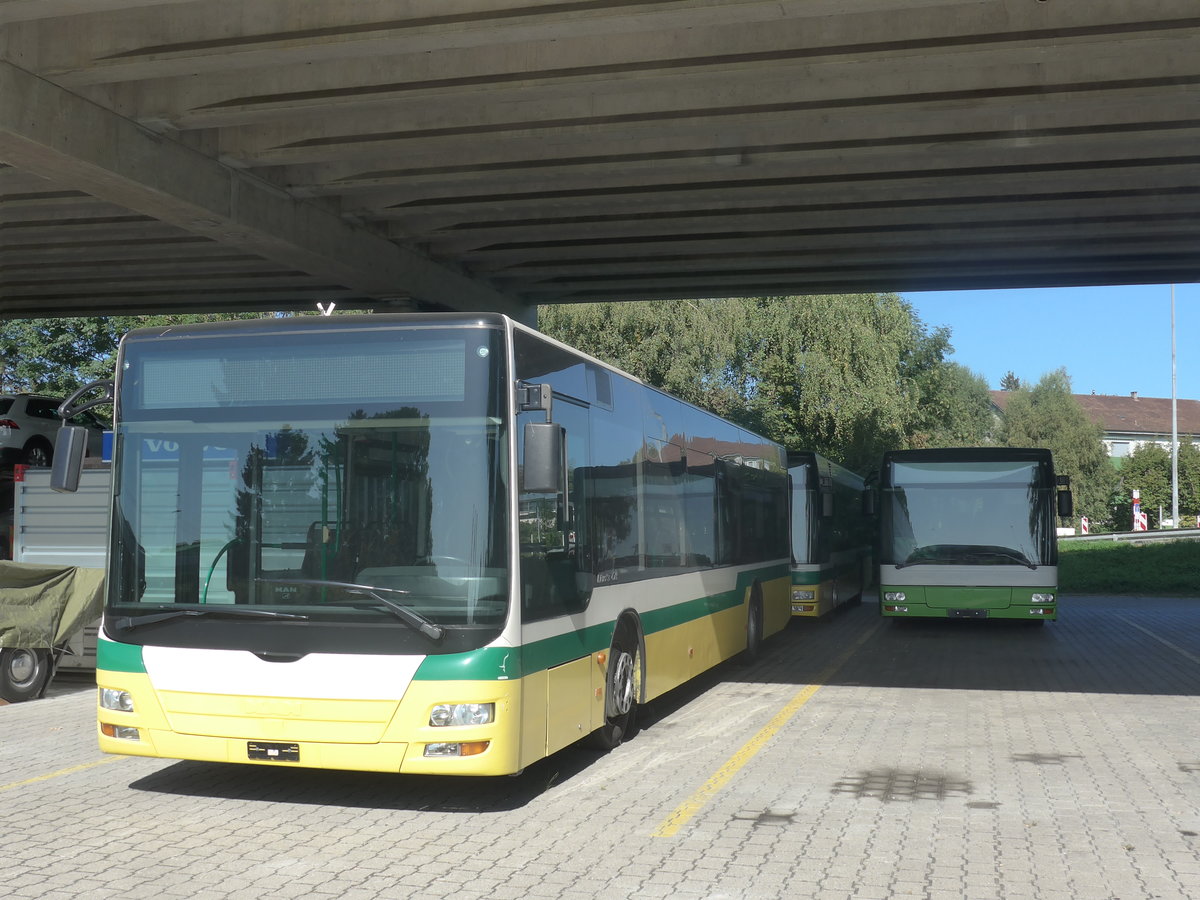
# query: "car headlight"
{"type": "Point", "coordinates": [121, 701]}
{"type": "Point", "coordinates": [445, 714]}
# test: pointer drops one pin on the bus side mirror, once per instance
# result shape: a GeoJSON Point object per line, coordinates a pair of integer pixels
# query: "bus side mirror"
{"type": "Point", "coordinates": [542, 471]}
{"type": "Point", "coordinates": [868, 502]}
{"type": "Point", "coordinates": [1066, 504]}
{"type": "Point", "coordinates": [70, 448]}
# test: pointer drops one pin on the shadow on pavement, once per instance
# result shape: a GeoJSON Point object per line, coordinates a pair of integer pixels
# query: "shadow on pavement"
{"type": "Point", "coordinates": [367, 790]}
{"type": "Point", "coordinates": [1118, 645]}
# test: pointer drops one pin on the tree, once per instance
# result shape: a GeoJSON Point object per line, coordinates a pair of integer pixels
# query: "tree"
{"type": "Point", "coordinates": [1189, 482]}
{"type": "Point", "coordinates": [842, 374]}
{"type": "Point", "coordinates": [1010, 381]}
{"type": "Point", "coordinates": [848, 375]}
{"type": "Point", "coordinates": [686, 347]}
{"type": "Point", "coordinates": [1047, 415]}
{"type": "Point", "coordinates": [1148, 470]}
{"type": "Point", "coordinates": [955, 409]}
{"type": "Point", "coordinates": [56, 356]}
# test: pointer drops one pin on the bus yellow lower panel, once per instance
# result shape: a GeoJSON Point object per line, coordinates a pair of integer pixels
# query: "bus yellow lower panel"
{"type": "Point", "coordinates": [401, 746]}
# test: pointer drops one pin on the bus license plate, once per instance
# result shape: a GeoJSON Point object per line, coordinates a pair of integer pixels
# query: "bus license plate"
{"type": "Point", "coordinates": [968, 613]}
{"type": "Point", "coordinates": [273, 752]}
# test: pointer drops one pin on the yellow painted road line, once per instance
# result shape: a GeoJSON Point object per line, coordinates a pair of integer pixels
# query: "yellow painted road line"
{"type": "Point", "coordinates": [61, 772]}
{"type": "Point", "coordinates": [1161, 640]}
{"type": "Point", "coordinates": [686, 810]}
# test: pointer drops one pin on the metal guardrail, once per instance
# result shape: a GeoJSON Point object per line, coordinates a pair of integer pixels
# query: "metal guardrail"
{"type": "Point", "coordinates": [1138, 537]}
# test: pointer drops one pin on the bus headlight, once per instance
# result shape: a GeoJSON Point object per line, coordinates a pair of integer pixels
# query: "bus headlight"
{"type": "Point", "coordinates": [121, 701]}
{"type": "Point", "coordinates": [895, 597]}
{"type": "Point", "coordinates": [1042, 598]}
{"type": "Point", "coordinates": [799, 594]}
{"type": "Point", "coordinates": [462, 714]}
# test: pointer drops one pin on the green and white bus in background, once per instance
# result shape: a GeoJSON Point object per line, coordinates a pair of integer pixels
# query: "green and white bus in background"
{"type": "Point", "coordinates": [970, 533]}
{"type": "Point", "coordinates": [430, 543]}
{"type": "Point", "coordinates": [831, 535]}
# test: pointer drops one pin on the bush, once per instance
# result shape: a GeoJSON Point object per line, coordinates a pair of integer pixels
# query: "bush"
{"type": "Point", "coordinates": [1109, 567]}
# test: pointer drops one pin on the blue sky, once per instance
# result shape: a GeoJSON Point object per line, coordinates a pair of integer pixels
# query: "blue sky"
{"type": "Point", "coordinates": [1112, 340]}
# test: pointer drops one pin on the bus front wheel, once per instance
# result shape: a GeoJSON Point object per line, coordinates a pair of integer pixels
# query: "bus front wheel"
{"type": "Point", "coordinates": [622, 688]}
{"type": "Point", "coordinates": [23, 673]}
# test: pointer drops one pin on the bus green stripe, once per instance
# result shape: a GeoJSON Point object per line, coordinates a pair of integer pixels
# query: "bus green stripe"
{"type": "Point", "coordinates": [485, 664]}
{"type": "Point", "coordinates": [495, 663]}
{"type": "Point", "coordinates": [114, 657]}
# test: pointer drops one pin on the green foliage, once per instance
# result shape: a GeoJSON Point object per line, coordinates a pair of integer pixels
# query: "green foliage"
{"type": "Point", "coordinates": [955, 409]}
{"type": "Point", "coordinates": [687, 347]}
{"type": "Point", "coordinates": [1148, 469]}
{"type": "Point", "coordinates": [1048, 415]}
{"type": "Point", "coordinates": [1010, 381]}
{"type": "Point", "coordinates": [837, 374]}
{"type": "Point", "coordinates": [56, 356]}
{"type": "Point", "coordinates": [848, 375]}
{"type": "Point", "coordinates": [1108, 567]}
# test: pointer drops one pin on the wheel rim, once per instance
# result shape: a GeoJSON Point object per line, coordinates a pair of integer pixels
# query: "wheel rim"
{"type": "Point", "coordinates": [623, 683]}
{"type": "Point", "coordinates": [22, 668]}
{"type": "Point", "coordinates": [37, 456]}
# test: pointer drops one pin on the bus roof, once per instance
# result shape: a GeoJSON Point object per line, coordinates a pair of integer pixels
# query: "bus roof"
{"type": "Point", "coordinates": [969, 454]}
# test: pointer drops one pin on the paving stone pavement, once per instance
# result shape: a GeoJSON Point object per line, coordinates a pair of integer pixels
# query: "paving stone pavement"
{"type": "Point", "coordinates": [936, 759]}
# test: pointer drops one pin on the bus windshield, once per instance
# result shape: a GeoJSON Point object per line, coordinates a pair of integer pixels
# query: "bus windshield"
{"type": "Point", "coordinates": [803, 485]}
{"type": "Point", "coordinates": [350, 478]}
{"type": "Point", "coordinates": [977, 513]}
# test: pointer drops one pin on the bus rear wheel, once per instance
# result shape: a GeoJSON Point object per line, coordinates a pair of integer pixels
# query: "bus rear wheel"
{"type": "Point", "coordinates": [622, 688]}
{"type": "Point", "coordinates": [754, 628]}
{"type": "Point", "coordinates": [23, 673]}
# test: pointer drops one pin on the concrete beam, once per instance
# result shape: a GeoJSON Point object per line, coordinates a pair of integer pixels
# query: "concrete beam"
{"type": "Point", "coordinates": [29, 10]}
{"type": "Point", "coordinates": [55, 134]}
{"type": "Point", "coordinates": [481, 37]}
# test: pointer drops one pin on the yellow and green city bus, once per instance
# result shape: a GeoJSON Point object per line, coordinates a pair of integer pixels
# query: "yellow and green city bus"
{"type": "Point", "coordinates": [831, 535]}
{"type": "Point", "coordinates": [970, 533]}
{"type": "Point", "coordinates": [432, 543]}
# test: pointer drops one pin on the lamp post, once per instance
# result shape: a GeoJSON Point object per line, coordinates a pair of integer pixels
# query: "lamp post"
{"type": "Point", "coordinates": [1174, 425]}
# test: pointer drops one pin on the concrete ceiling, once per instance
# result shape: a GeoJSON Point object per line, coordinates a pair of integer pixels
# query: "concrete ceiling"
{"type": "Point", "coordinates": [165, 155]}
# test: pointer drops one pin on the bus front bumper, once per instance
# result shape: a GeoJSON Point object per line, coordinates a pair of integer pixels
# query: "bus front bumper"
{"type": "Point", "coordinates": [968, 603]}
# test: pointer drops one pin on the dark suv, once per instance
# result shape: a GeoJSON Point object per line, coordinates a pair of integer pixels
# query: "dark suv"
{"type": "Point", "coordinates": [29, 429]}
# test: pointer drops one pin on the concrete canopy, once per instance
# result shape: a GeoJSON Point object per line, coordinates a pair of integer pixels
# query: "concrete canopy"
{"type": "Point", "coordinates": [219, 155]}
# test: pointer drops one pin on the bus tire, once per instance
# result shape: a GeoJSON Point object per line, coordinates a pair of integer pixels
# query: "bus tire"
{"type": "Point", "coordinates": [38, 453]}
{"type": "Point", "coordinates": [23, 673]}
{"type": "Point", "coordinates": [622, 686]}
{"type": "Point", "coordinates": [754, 628]}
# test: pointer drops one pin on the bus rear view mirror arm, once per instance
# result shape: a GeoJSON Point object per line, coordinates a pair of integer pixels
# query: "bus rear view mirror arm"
{"type": "Point", "coordinates": [71, 445]}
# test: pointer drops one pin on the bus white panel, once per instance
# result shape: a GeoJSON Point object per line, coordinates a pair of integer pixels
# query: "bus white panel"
{"type": "Point", "coordinates": [968, 576]}
{"type": "Point", "coordinates": [320, 676]}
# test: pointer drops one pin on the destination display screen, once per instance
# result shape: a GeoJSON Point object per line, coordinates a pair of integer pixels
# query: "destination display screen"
{"type": "Point", "coordinates": [230, 375]}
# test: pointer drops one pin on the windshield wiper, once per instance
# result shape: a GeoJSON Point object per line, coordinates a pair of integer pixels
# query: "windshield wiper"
{"type": "Point", "coordinates": [917, 556]}
{"type": "Point", "coordinates": [948, 554]}
{"type": "Point", "coordinates": [127, 622]}
{"type": "Point", "coordinates": [1013, 555]}
{"type": "Point", "coordinates": [405, 614]}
